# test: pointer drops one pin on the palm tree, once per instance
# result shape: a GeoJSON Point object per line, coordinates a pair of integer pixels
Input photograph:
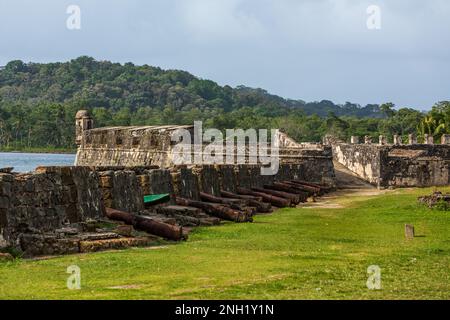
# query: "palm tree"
{"type": "Point", "coordinates": [431, 126]}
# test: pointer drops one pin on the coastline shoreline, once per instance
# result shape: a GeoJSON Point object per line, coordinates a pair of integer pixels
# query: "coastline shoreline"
{"type": "Point", "coordinates": [40, 151]}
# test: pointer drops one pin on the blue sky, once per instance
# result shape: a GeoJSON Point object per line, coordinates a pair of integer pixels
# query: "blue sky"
{"type": "Point", "coordinates": [300, 49]}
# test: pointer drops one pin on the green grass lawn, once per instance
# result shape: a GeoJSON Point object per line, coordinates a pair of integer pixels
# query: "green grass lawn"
{"type": "Point", "coordinates": [313, 253]}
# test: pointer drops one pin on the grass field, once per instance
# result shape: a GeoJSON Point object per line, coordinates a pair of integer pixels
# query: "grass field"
{"type": "Point", "coordinates": [301, 253]}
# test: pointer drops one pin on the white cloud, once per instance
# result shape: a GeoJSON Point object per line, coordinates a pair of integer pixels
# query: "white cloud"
{"type": "Point", "coordinates": [308, 49]}
{"type": "Point", "coordinates": [218, 19]}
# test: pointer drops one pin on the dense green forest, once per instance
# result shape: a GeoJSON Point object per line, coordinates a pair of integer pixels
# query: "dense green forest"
{"type": "Point", "coordinates": [38, 103]}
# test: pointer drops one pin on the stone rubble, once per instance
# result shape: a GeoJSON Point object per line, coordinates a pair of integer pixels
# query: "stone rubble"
{"type": "Point", "coordinates": [434, 199]}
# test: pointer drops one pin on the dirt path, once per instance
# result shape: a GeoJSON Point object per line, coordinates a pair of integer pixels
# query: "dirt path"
{"type": "Point", "coordinates": [348, 180]}
{"type": "Point", "coordinates": [349, 185]}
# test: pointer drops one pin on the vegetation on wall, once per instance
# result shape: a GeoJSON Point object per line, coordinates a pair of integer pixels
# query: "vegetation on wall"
{"type": "Point", "coordinates": [38, 103]}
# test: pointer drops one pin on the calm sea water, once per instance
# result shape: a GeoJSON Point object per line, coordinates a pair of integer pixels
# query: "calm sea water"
{"type": "Point", "coordinates": [25, 162]}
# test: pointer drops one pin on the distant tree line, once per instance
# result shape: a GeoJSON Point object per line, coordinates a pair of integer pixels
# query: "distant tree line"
{"type": "Point", "coordinates": [38, 103]}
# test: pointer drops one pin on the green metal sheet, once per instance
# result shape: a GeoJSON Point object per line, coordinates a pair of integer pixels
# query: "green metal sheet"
{"type": "Point", "coordinates": [156, 198]}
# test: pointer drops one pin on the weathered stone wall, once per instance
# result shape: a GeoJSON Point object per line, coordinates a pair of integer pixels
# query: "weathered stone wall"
{"type": "Point", "coordinates": [152, 145]}
{"type": "Point", "coordinates": [208, 179]}
{"type": "Point", "coordinates": [121, 190]}
{"type": "Point", "coordinates": [124, 188]}
{"type": "Point", "coordinates": [47, 200]}
{"type": "Point", "coordinates": [362, 159]}
{"type": "Point", "coordinates": [127, 146]}
{"type": "Point", "coordinates": [227, 177]}
{"type": "Point", "coordinates": [157, 181]}
{"type": "Point", "coordinates": [6, 186]}
{"type": "Point", "coordinates": [185, 183]}
{"type": "Point", "coordinates": [54, 197]}
{"type": "Point", "coordinates": [416, 165]}
{"type": "Point", "coordinates": [188, 182]}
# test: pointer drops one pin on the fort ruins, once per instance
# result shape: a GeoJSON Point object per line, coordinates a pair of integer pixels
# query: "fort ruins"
{"type": "Point", "coordinates": [125, 188]}
{"type": "Point", "coordinates": [396, 165]}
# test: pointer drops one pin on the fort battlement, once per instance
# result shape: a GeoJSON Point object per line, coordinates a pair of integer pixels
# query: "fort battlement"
{"type": "Point", "coordinates": [152, 145]}
{"type": "Point", "coordinates": [396, 164]}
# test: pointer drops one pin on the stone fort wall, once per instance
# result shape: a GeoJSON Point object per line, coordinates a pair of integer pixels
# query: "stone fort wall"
{"type": "Point", "coordinates": [54, 197]}
{"type": "Point", "coordinates": [152, 145]}
{"type": "Point", "coordinates": [46, 200]}
{"type": "Point", "coordinates": [127, 146]}
{"type": "Point", "coordinates": [412, 165]}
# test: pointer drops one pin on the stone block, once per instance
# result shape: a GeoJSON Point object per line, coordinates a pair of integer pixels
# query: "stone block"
{"type": "Point", "coordinates": [354, 140]}
{"type": "Point", "coordinates": [67, 213]}
{"type": "Point", "coordinates": [66, 176]}
{"type": "Point", "coordinates": [46, 199]}
{"type": "Point", "coordinates": [228, 180]}
{"type": "Point", "coordinates": [428, 139]}
{"type": "Point", "coordinates": [208, 178]}
{"type": "Point", "coordinates": [69, 194]}
{"type": "Point", "coordinates": [20, 213]}
{"type": "Point", "coordinates": [159, 181]}
{"type": "Point", "coordinates": [45, 169]}
{"type": "Point", "coordinates": [126, 192]}
{"type": "Point", "coordinates": [185, 183]}
{"type": "Point", "coordinates": [5, 188]}
{"type": "Point", "coordinates": [106, 181]}
{"type": "Point", "coordinates": [91, 227]}
{"type": "Point", "coordinates": [29, 185]}
{"type": "Point", "coordinates": [4, 202]}
{"type": "Point", "coordinates": [6, 177]}
{"type": "Point", "coordinates": [67, 231]}
{"type": "Point", "coordinates": [3, 218]}
{"type": "Point", "coordinates": [445, 139]}
{"type": "Point", "coordinates": [367, 139]}
{"type": "Point", "coordinates": [109, 244]}
{"type": "Point", "coordinates": [39, 245]}
{"type": "Point", "coordinates": [106, 194]}
{"type": "Point", "coordinates": [144, 179]}
{"type": "Point", "coordinates": [124, 230]}
{"type": "Point", "coordinates": [104, 172]}
{"type": "Point", "coordinates": [108, 203]}
{"type": "Point", "coordinates": [397, 140]}
{"type": "Point", "coordinates": [412, 139]}
{"type": "Point", "coordinates": [92, 235]}
{"type": "Point", "coordinates": [89, 196]}
{"type": "Point", "coordinates": [28, 199]}
{"type": "Point", "coordinates": [409, 231]}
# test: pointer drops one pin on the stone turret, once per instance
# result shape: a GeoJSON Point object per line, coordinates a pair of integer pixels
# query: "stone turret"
{"type": "Point", "coordinates": [428, 139]}
{"type": "Point", "coordinates": [397, 140]}
{"type": "Point", "coordinates": [83, 122]}
{"type": "Point", "coordinates": [445, 139]}
{"type": "Point", "coordinates": [382, 140]}
{"type": "Point", "coordinates": [412, 139]}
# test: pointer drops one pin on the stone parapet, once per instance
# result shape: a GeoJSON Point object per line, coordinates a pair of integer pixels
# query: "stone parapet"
{"type": "Point", "coordinates": [416, 165]}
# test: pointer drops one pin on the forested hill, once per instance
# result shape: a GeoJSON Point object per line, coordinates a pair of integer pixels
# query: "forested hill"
{"type": "Point", "coordinates": [38, 103]}
{"type": "Point", "coordinates": [103, 84]}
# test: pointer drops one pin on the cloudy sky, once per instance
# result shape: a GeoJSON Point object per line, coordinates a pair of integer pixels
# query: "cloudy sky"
{"type": "Point", "coordinates": [300, 49]}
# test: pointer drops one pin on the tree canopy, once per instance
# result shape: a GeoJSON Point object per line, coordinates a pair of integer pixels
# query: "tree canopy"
{"type": "Point", "coordinates": [38, 103]}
